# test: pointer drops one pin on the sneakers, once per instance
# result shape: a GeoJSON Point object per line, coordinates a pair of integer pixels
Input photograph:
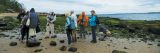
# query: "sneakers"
{"type": "Point", "coordinates": [93, 41]}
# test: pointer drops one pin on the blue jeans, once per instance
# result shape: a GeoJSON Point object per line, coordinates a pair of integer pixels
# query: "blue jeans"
{"type": "Point", "coordinates": [93, 33]}
{"type": "Point", "coordinates": [69, 35]}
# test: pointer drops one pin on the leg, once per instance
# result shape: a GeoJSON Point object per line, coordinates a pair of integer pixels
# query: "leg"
{"type": "Point", "coordinates": [94, 34]}
{"type": "Point", "coordinates": [69, 36]}
{"type": "Point", "coordinates": [27, 30]}
{"type": "Point", "coordinates": [22, 33]}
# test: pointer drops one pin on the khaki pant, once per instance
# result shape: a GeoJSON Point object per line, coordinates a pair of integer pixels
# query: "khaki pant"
{"type": "Point", "coordinates": [74, 36]}
{"type": "Point", "coordinates": [50, 29]}
{"type": "Point", "coordinates": [32, 32]}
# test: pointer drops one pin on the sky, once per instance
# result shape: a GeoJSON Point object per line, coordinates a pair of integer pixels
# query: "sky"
{"type": "Point", "coordinates": [100, 6]}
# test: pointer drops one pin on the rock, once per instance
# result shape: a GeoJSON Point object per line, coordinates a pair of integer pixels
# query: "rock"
{"type": "Point", "coordinates": [46, 37]}
{"type": "Point", "coordinates": [12, 37]}
{"type": "Point", "coordinates": [116, 51]}
{"type": "Point", "coordinates": [154, 30]}
{"type": "Point", "coordinates": [32, 43]}
{"type": "Point", "coordinates": [53, 43]}
{"type": "Point", "coordinates": [61, 41]}
{"type": "Point", "coordinates": [55, 36]}
{"type": "Point", "coordinates": [72, 49]}
{"type": "Point", "coordinates": [101, 39]}
{"type": "Point", "coordinates": [108, 44]}
{"type": "Point", "coordinates": [78, 37]}
{"type": "Point", "coordinates": [38, 50]}
{"type": "Point", "coordinates": [150, 44]}
{"type": "Point", "coordinates": [13, 44]}
{"type": "Point", "coordinates": [125, 48]}
{"type": "Point", "coordinates": [63, 48]}
{"type": "Point", "coordinates": [40, 39]}
{"type": "Point", "coordinates": [158, 45]}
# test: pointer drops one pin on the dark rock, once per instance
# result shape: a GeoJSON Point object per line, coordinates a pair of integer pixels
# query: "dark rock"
{"type": "Point", "coordinates": [158, 45]}
{"type": "Point", "coordinates": [38, 50]}
{"type": "Point", "coordinates": [32, 43]}
{"type": "Point", "coordinates": [72, 49]}
{"type": "Point", "coordinates": [40, 39]}
{"type": "Point", "coordinates": [53, 43]}
{"type": "Point", "coordinates": [154, 30]}
{"type": "Point", "coordinates": [116, 51]}
{"type": "Point", "coordinates": [46, 37]}
{"type": "Point", "coordinates": [150, 44]}
{"type": "Point", "coordinates": [125, 48]}
{"type": "Point", "coordinates": [13, 44]}
{"type": "Point", "coordinates": [131, 30]}
{"type": "Point", "coordinates": [108, 44]}
{"type": "Point", "coordinates": [78, 37]}
{"type": "Point", "coordinates": [55, 36]}
{"type": "Point", "coordinates": [61, 41]}
{"type": "Point", "coordinates": [63, 48]}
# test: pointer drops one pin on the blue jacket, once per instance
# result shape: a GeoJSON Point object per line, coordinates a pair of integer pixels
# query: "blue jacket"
{"type": "Point", "coordinates": [70, 24]}
{"type": "Point", "coordinates": [92, 20]}
{"type": "Point", "coordinates": [34, 20]}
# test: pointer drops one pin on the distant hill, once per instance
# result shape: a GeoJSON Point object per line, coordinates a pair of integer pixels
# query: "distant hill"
{"type": "Point", "coordinates": [10, 6]}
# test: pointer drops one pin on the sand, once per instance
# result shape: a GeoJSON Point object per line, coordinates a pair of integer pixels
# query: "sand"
{"type": "Point", "coordinates": [83, 45]}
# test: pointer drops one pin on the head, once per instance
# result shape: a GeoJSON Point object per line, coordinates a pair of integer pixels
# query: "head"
{"type": "Point", "coordinates": [32, 10]}
{"type": "Point", "coordinates": [52, 13]}
{"type": "Point", "coordinates": [72, 12]}
{"type": "Point", "coordinates": [27, 13]}
{"type": "Point", "coordinates": [93, 12]}
{"type": "Point", "coordinates": [22, 11]}
{"type": "Point", "coordinates": [83, 13]}
{"type": "Point", "coordinates": [67, 14]}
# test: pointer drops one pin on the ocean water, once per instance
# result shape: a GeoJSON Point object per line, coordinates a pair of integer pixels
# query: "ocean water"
{"type": "Point", "coordinates": [134, 16]}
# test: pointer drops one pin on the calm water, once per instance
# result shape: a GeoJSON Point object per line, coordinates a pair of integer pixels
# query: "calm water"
{"type": "Point", "coordinates": [138, 16]}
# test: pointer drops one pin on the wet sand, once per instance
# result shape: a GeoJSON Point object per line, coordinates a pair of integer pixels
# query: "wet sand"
{"type": "Point", "coordinates": [83, 45]}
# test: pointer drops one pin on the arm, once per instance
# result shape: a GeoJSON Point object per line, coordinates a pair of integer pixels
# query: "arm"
{"type": "Point", "coordinates": [54, 19]}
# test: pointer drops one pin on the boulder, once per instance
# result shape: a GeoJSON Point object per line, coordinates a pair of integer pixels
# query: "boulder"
{"type": "Point", "coordinates": [125, 48]}
{"type": "Point", "coordinates": [72, 49]}
{"type": "Point", "coordinates": [13, 44]}
{"type": "Point", "coordinates": [55, 36]}
{"type": "Point", "coordinates": [154, 30]}
{"type": "Point", "coordinates": [158, 45]}
{"type": "Point", "coordinates": [53, 43]}
{"type": "Point", "coordinates": [116, 51]}
{"type": "Point", "coordinates": [61, 41]}
{"type": "Point", "coordinates": [46, 37]}
{"type": "Point", "coordinates": [38, 50]}
{"type": "Point", "coordinates": [32, 43]}
{"type": "Point", "coordinates": [63, 48]}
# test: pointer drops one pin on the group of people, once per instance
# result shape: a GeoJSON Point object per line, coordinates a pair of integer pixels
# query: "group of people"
{"type": "Point", "coordinates": [30, 25]}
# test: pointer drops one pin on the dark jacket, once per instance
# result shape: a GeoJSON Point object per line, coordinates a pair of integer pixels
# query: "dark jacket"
{"type": "Point", "coordinates": [34, 20]}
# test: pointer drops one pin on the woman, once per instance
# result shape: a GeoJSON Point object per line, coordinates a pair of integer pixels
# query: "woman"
{"type": "Point", "coordinates": [68, 28]}
{"type": "Point", "coordinates": [83, 22]}
{"type": "Point", "coordinates": [25, 29]}
{"type": "Point", "coordinates": [51, 18]}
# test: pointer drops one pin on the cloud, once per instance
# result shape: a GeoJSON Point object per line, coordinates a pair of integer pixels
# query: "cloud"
{"type": "Point", "coordinates": [101, 6]}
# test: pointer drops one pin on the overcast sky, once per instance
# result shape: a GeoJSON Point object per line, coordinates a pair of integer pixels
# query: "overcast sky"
{"type": "Point", "coordinates": [100, 6]}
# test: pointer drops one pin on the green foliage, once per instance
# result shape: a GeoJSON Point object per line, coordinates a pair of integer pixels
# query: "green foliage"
{"type": "Point", "coordinates": [10, 6]}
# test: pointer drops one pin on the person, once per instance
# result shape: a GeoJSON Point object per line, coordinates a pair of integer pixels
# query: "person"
{"type": "Point", "coordinates": [104, 32]}
{"type": "Point", "coordinates": [68, 28]}
{"type": "Point", "coordinates": [83, 23]}
{"type": "Point", "coordinates": [51, 18]}
{"type": "Point", "coordinates": [25, 29]}
{"type": "Point", "coordinates": [21, 15]}
{"type": "Point", "coordinates": [74, 19]}
{"type": "Point", "coordinates": [34, 22]}
{"type": "Point", "coordinates": [93, 24]}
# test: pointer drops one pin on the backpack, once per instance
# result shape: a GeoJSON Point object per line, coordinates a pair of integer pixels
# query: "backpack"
{"type": "Point", "coordinates": [72, 24]}
{"type": "Point", "coordinates": [97, 20]}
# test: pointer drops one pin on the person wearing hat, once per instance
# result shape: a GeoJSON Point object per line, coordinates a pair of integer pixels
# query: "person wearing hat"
{"type": "Point", "coordinates": [93, 23]}
{"type": "Point", "coordinates": [83, 23]}
{"type": "Point", "coordinates": [51, 18]}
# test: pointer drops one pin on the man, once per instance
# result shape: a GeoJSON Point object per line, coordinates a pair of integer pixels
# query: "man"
{"type": "Point", "coordinates": [93, 24]}
{"type": "Point", "coordinates": [74, 18]}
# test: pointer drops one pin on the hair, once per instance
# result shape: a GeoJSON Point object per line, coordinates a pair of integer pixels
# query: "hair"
{"type": "Point", "coordinates": [67, 14]}
{"type": "Point", "coordinates": [32, 10]}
